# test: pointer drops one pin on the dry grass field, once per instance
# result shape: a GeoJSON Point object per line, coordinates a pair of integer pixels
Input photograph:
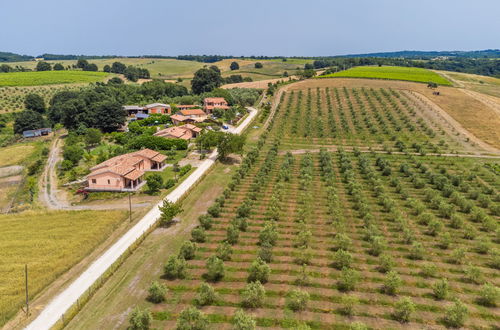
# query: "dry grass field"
{"type": "Point", "coordinates": [50, 243]}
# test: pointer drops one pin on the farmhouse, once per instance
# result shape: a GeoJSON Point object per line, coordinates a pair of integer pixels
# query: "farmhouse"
{"type": "Point", "coordinates": [138, 112]}
{"type": "Point", "coordinates": [180, 119]}
{"type": "Point", "coordinates": [211, 103]}
{"type": "Point", "coordinates": [196, 114]}
{"type": "Point", "coordinates": [124, 172]}
{"type": "Point", "coordinates": [36, 132]}
{"type": "Point", "coordinates": [185, 132]}
{"type": "Point", "coordinates": [186, 106]}
{"type": "Point", "coordinates": [158, 108]}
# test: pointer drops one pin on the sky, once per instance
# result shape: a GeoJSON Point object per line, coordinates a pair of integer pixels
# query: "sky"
{"type": "Point", "coordinates": [234, 27]}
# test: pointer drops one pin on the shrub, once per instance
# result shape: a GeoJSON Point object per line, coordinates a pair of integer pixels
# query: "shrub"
{"type": "Point", "coordinates": [457, 221]}
{"type": "Point", "coordinates": [157, 292]}
{"type": "Point", "coordinates": [243, 321]}
{"type": "Point", "coordinates": [169, 183]}
{"type": "Point", "coordinates": [168, 211]}
{"type": "Point", "coordinates": [206, 221]}
{"type": "Point", "coordinates": [377, 246]}
{"type": "Point", "coordinates": [403, 310]}
{"type": "Point", "coordinates": [214, 210]}
{"type": "Point", "coordinates": [456, 314]}
{"type": "Point", "coordinates": [206, 295]}
{"type": "Point", "coordinates": [342, 259]}
{"type": "Point", "coordinates": [232, 234]}
{"type": "Point", "coordinates": [358, 326]}
{"type": "Point", "coordinates": [428, 270]}
{"type": "Point", "coordinates": [304, 256]}
{"type": "Point", "coordinates": [488, 295]}
{"type": "Point", "coordinates": [386, 263]}
{"type": "Point", "coordinates": [348, 279]}
{"type": "Point", "coordinates": [470, 231]}
{"type": "Point", "coordinates": [342, 242]}
{"type": "Point", "coordinates": [472, 274]}
{"type": "Point", "coordinates": [297, 300]}
{"type": "Point", "coordinates": [303, 277]}
{"type": "Point", "coordinates": [440, 289]}
{"type": "Point", "coordinates": [457, 256]}
{"type": "Point", "coordinates": [224, 251]}
{"type": "Point", "coordinates": [434, 227]}
{"type": "Point", "coordinates": [140, 319]}
{"type": "Point", "coordinates": [175, 268]}
{"type": "Point", "coordinates": [266, 252]}
{"type": "Point", "coordinates": [482, 245]}
{"type": "Point", "coordinates": [215, 269]}
{"type": "Point", "coordinates": [445, 241]}
{"type": "Point", "coordinates": [348, 303]}
{"type": "Point", "coordinates": [154, 182]}
{"type": "Point", "coordinates": [188, 250]}
{"type": "Point", "coordinates": [417, 251]}
{"type": "Point", "coordinates": [268, 234]}
{"type": "Point", "coordinates": [259, 271]}
{"type": "Point", "coordinates": [199, 235]}
{"type": "Point", "coordinates": [253, 295]}
{"type": "Point", "coordinates": [392, 283]}
{"type": "Point", "coordinates": [303, 238]}
{"type": "Point", "coordinates": [192, 319]}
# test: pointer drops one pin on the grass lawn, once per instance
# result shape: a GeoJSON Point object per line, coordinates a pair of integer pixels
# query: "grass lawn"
{"type": "Point", "coordinates": [50, 243]}
{"type": "Point", "coordinates": [49, 77]}
{"type": "Point", "coordinates": [391, 73]}
{"type": "Point", "coordinates": [16, 154]}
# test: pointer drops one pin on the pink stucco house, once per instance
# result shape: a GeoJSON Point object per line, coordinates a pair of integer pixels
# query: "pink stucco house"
{"type": "Point", "coordinates": [125, 172]}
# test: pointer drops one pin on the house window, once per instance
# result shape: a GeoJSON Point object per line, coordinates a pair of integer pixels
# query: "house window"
{"type": "Point", "coordinates": [109, 182]}
{"type": "Point", "coordinates": [94, 181]}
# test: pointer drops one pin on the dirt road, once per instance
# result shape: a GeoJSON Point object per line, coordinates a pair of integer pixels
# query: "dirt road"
{"type": "Point", "coordinates": [53, 312]}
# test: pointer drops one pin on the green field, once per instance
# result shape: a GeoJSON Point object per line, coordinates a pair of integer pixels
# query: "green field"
{"type": "Point", "coordinates": [391, 73]}
{"type": "Point", "coordinates": [49, 78]}
{"type": "Point", "coordinates": [49, 243]}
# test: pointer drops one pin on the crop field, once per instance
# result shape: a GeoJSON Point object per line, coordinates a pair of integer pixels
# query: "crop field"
{"type": "Point", "coordinates": [49, 243]}
{"type": "Point", "coordinates": [12, 98]}
{"type": "Point", "coordinates": [35, 78]}
{"type": "Point", "coordinates": [392, 73]}
{"type": "Point", "coordinates": [326, 240]}
{"type": "Point", "coordinates": [383, 119]}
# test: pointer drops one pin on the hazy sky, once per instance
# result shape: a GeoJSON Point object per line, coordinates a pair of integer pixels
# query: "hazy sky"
{"type": "Point", "coordinates": [234, 27]}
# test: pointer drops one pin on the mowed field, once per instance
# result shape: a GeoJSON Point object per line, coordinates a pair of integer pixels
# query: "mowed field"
{"type": "Point", "coordinates": [393, 73]}
{"type": "Point", "coordinates": [352, 232]}
{"type": "Point", "coordinates": [49, 243]}
{"type": "Point", "coordinates": [35, 78]}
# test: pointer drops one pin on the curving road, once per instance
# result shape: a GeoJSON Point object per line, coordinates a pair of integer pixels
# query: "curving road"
{"type": "Point", "coordinates": [55, 310]}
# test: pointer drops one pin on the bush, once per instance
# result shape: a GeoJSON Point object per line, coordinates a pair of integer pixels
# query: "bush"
{"type": "Point", "coordinates": [434, 227]}
{"type": "Point", "coordinates": [482, 245]}
{"type": "Point", "coordinates": [140, 319]}
{"type": "Point", "coordinates": [297, 300]}
{"type": "Point", "coordinates": [175, 268]}
{"type": "Point", "coordinates": [455, 315]}
{"type": "Point", "coordinates": [473, 274]}
{"type": "Point", "coordinates": [268, 234]}
{"type": "Point", "coordinates": [457, 221]}
{"type": "Point", "coordinates": [386, 263]}
{"type": "Point", "coordinates": [266, 252]}
{"type": "Point", "coordinates": [253, 295]}
{"type": "Point", "coordinates": [403, 310]}
{"type": "Point", "coordinates": [457, 256]}
{"type": "Point", "coordinates": [214, 210]}
{"type": "Point", "coordinates": [188, 250]}
{"type": "Point", "coordinates": [303, 256]}
{"type": "Point", "coordinates": [445, 241]}
{"type": "Point", "coordinates": [342, 242]}
{"type": "Point", "coordinates": [192, 319]}
{"type": "Point", "coordinates": [488, 295]}
{"type": "Point", "coordinates": [348, 303]}
{"type": "Point", "coordinates": [243, 321]}
{"type": "Point", "coordinates": [440, 289]}
{"type": "Point", "coordinates": [342, 259]}
{"type": "Point", "coordinates": [169, 183]}
{"type": "Point", "coordinates": [157, 292]}
{"type": "Point", "coordinates": [259, 271]}
{"type": "Point", "coordinates": [377, 246]}
{"type": "Point", "coordinates": [417, 251]}
{"type": "Point", "coordinates": [168, 211]}
{"type": "Point", "coordinates": [198, 235]}
{"type": "Point", "coordinates": [215, 269]}
{"type": "Point", "coordinates": [428, 270]}
{"type": "Point", "coordinates": [232, 234]}
{"type": "Point", "coordinates": [348, 279]}
{"type": "Point", "coordinates": [224, 251]}
{"type": "Point", "coordinates": [392, 283]}
{"type": "Point", "coordinates": [205, 221]}
{"type": "Point", "coordinates": [358, 326]}
{"type": "Point", "coordinates": [206, 295]}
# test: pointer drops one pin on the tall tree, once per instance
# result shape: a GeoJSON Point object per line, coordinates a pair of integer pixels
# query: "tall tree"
{"type": "Point", "coordinates": [43, 66]}
{"type": "Point", "coordinates": [27, 120]}
{"type": "Point", "coordinates": [234, 66]}
{"type": "Point", "coordinates": [206, 79]}
{"type": "Point", "coordinates": [34, 102]}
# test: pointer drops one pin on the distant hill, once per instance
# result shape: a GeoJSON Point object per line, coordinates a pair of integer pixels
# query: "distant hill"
{"type": "Point", "coordinates": [415, 54]}
{"type": "Point", "coordinates": [11, 57]}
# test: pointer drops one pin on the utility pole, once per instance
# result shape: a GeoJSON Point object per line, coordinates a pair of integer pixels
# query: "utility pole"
{"type": "Point", "coordinates": [27, 294]}
{"type": "Point", "coordinates": [129, 207]}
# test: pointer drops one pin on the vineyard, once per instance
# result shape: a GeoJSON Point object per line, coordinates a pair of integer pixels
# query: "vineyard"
{"type": "Point", "coordinates": [12, 98]}
{"type": "Point", "coordinates": [37, 78]}
{"type": "Point", "coordinates": [391, 72]}
{"type": "Point", "coordinates": [380, 119]}
{"type": "Point", "coordinates": [343, 239]}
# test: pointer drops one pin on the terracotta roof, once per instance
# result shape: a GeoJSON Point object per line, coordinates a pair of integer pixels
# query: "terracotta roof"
{"type": "Point", "coordinates": [134, 174]}
{"type": "Point", "coordinates": [178, 117]}
{"type": "Point", "coordinates": [192, 112]}
{"type": "Point", "coordinates": [186, 106]}
{"type": "Point", "coordinates": [159, 158]}
{"type": "Point", "coordinates": [215, 100]}
{"type": "Point", "coordinates": [156, 105]}
{"type": "Point", "coordinates": [148, 153]}
{"type": "Point", "coordinates": [184, 132]}
{"type": "Point", "coordinates": [127, 159]}
{"type": "Point", "coordinates": [192, 127]}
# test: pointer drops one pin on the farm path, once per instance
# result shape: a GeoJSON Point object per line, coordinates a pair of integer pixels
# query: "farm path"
{"type": "Point", "coordinates": [365, 150]}
{"type": "Point", "coordinates": [56, 199]}
{"type": "Point", "coordinates": [55, 310]}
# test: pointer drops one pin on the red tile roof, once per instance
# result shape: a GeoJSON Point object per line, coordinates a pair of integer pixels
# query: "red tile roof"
{"type": "Point", "coordinates": [193, 112]}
